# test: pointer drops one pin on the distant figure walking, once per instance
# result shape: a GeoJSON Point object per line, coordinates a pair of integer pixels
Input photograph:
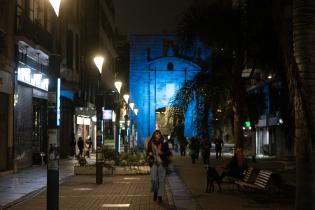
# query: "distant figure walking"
{"type": "Point", "coordinates": [159, 151]}
{"type": "Point", "coordinates": [72, 144]}
{"type": "Point", "coordinates": [80, 146]}
{"type": "Point", "coordinates": [89, 146]}
{"type": "Point", "coordinates": [218, 146]}
{"type": "Point", "coordinates": [183, 146]}
{"type": "Point", "coordinates": [206, 151]}
{"type": "Point", "coordinates": [193, 147]}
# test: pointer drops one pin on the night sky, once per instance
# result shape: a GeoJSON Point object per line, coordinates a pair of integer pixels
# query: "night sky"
{"type": "Point", "coordinates": [149, 16]}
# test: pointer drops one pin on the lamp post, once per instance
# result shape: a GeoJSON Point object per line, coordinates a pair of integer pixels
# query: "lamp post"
{"type": "Point", "coordinates": [126, 117]}
{"type": "Point", "coordinates": [99, 60]}
{"type": "Point", "coordinates": [53, 110]}
{"type": "Point", "coordinates": [53, 126]}
{"type": "Point", "coordinates": [118, 85]}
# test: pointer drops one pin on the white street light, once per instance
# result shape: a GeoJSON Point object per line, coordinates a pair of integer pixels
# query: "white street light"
{"type": "Point", "coordinates": [56, 5]}
{"type": "Point", "coordinates": [99, 60]}
{"type": "Point", "coordinates": [136, 111]}
{"type": "Point", "coordinates": [126, 97]}
{"type": "Point", "coordinates": [118, 85]}
{"type": "Point", "coordinates": [132, 105]}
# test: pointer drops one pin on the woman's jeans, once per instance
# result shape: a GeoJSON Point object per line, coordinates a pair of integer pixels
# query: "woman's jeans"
{"type": "Point", "coordinates": [158, 173]}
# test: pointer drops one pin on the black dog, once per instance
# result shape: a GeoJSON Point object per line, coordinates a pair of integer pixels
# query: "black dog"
{"type": "Point", "coordinates": [212, 176]}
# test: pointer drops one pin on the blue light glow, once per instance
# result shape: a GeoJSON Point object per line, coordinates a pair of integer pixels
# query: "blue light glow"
{"type": "Point", "coordinates": [58, 101]}
{"type": "Point", "coordinates": [107, 114]}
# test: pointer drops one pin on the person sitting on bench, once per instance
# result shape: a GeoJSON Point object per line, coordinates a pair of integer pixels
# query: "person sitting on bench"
{"type": "Point", "coordinates": [236, 166]}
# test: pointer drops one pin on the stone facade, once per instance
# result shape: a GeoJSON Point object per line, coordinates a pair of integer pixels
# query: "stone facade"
{"type": "Point", "coordinates": [158, 68]}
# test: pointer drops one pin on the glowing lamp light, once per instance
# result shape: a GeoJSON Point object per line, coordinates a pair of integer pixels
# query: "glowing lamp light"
{"type": "Point", "coordinates": [269, 76]}
{"type": "Point", "coordinates": [113, 116]}
{"type": "Point", "coordinates": [126, 97]}
{"type": "Point", "coordinates": [118, 85]}
{"type": "Point", "coordinates": [56, 5]}
{"type": "Point", "coordinates": [136, 111]}
{"type": "Point", "coordinates": [132, 105]}
{"type": "Point", "coordinates": [99, 60]}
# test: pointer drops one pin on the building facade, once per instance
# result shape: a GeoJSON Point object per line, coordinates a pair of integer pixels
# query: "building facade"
{"type": "Point", "coordinates": [158, 68]}
{"type": "Point", "coordinates": [30, 33]}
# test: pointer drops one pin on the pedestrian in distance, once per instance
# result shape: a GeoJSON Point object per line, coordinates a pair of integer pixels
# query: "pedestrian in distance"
{"type": "Point", "coordinates": [183, 146]}
{"type": "Point", "coordinates": [206, 151]}
{"type": "Point", "coordinates": [89, 146]}
{"type": "Point", "coordinates": [218, 146]}
{"type": "Point", "coordinates": [159, 152]}
{"type": "Point", "coordinates": [193, 149]}
{"type": "Point", "coordinates": [72, 143]}
{"type": "Point", "coordinates": [80, 146]}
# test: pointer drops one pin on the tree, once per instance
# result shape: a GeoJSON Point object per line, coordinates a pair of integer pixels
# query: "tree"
{"type": "Point", "coordinates": [220, 26]}
{"type": "Point", "coordinates": [304, 104]}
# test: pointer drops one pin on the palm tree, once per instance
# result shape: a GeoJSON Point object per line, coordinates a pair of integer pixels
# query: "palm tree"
{"type": "Point", "coordinates": [219, 26]}
{"type": "Point", "coordinates": [304, 103]}
{"type": "Point", "coordinates": [297, 61]}
{"type": "Point", "coordinates": [210, 90]}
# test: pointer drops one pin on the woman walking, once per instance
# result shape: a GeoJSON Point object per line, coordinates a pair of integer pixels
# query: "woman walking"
{"type": "Point", "coordinates": [159, 151]}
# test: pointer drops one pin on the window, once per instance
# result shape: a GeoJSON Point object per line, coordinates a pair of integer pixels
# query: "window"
{"type": "Point", "coordinates": [170, 66]}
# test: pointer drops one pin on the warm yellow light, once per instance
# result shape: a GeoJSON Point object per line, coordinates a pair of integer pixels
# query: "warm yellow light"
{"type": "Point", "coordinates": [99, 60]}
{"type": "Point", "coordinates": [56, 5]}
{"type": "Point", "coordinates": [118, 85]}
{"type": "Point", "coordinates": [132, 105]}
{"type": "Point", "coordinates": [126, 97]}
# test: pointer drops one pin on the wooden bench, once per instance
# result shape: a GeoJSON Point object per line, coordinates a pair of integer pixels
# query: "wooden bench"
{"type": "Point", "coordinates": [261, 182]}
{"type": "Point", "coordinates": [247, 174]}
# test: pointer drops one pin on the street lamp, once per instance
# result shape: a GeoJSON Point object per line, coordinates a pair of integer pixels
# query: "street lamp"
{"type": "Point", "coordinates": [99, 60]}
{"type": "Point", "coordinates": [126, 98]}
{"type": "Point", "coordinates": [132, 105]}
{"type": "Point", "coordinates": [56, 5]}
{"type": "Point", "coordinates": [118, 85]}
{"type": "Point", "coordinates": [134, 126]}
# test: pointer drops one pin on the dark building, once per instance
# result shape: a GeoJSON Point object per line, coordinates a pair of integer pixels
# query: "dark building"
{"type": "Point", "coordinates": [7, 67]}
{"type": "Point", "coordinates": [30, 32]}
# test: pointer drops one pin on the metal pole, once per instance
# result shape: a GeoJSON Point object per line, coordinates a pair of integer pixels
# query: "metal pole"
{"type": "Point", "coordinates": [126, 128]}
{"type": "Point", "coordinates": [99, 138]}
{"type": "Point", "coordinates": [117, 125]}
{"type": "Point", "coordinates": [53, 134]}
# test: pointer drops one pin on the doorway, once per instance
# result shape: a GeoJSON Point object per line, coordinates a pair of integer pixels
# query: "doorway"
{"type": "Point", "coordinates": [39, 144]}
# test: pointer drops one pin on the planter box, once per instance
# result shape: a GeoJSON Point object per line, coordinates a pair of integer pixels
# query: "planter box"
{"type": "Point", "coordinates": [112, 170]}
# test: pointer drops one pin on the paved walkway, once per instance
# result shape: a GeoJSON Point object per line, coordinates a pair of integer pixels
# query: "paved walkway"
{"type": "Point", "coordinates": [184, 191]}
{"type": "Point", "coordinates": [194, 177]}
{"type": "Point", "coordinates": [16, 187]}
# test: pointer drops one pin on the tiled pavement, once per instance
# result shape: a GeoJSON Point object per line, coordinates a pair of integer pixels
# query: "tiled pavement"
{"type": "Point", "coordinates": [16, 187]}
{"type": "Point", "coordinates": [81, 192]}
{"type": "Point", "coordinates": [194, 177]}
{"type": "Point", "coordinates": [185, 191]}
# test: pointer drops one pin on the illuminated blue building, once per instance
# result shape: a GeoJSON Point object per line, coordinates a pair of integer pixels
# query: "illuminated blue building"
{"type": "Point", "coordinates": [158, 68]}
